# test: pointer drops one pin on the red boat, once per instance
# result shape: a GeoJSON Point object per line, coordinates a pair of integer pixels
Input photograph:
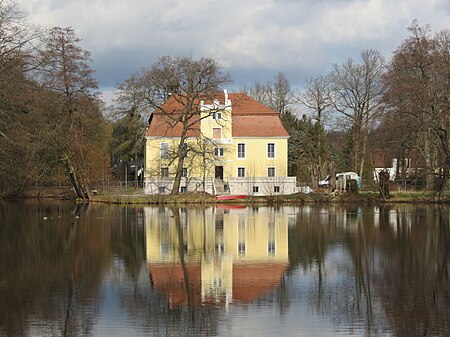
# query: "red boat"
{"type": "Point", "coordinates": [230, 197]}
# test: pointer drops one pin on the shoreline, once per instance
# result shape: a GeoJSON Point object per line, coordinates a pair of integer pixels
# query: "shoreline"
{"type": "Point", "coordinates": [322, 197]}
{"type": "Point", "coordinates": [297, 199]}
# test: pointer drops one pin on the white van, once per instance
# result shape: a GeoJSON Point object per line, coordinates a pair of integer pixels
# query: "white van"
{"type": "Point", "coordinates": [342, 178]}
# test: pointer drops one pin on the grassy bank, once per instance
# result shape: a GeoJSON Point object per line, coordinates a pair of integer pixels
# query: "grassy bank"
{"type": "Point", "coordinates": [132, 197]}
{"type": "Point", "coordinates": [205, 199]}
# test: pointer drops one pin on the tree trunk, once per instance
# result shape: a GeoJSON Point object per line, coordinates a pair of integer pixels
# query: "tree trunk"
{"type": "Point", "coordinates": [442, 180]}
{"type": "Point", "coordinates": [181, 154]}
{"type": "Point", "coordinates": [363, 155]}
{"type": "Point", "coordinates": [383, 184]}
{"type": "Point", "coordinates": [79, 191]}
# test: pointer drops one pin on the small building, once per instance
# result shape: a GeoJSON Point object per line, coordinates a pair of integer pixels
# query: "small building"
{"type": "Point", "coordinates": [237, 146]}
{"type": "Point", "coordinates": [407, 168]}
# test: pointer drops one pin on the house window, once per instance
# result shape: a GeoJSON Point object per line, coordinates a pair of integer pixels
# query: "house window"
{"type": "Point", "coordinates": [218, 151]}
{"type": "Point", "coordinates": [271, 171]}
{"type": "Point", "coordinates": [183, 189]}
{"type": "Point", "coordinates": [161, 190]}
{"type": "Point", "coordinates": [241, 172]}
{"type": "Point", "coordinates": [184, 172]}
{"type": "Point", "coordinates": [276, 189]}
{"type": "Point", "coordinates": [241, 150]}
{"type": "Point", "coordinates": [217, 133]}
{"type": "Point", "coordinates": [164, 171]}
{"type": "Point", "coordinates": [217, 115]}
{"type": "Point", "coordinates": [255, 189]}
{"type": "Point", "coordinates": [164, 150]}
{"type": "Point", "coordinates": [271, 150]}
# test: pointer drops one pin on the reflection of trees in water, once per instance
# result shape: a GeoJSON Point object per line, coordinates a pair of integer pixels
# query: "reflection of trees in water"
{"type": "Point", "coordinates": [413, 282]}
{"type": "Point", "coordinates": [56, 255]}
{"type": "Point", "coordinates": [391, 274]}
{"type": "Point", "coordinates": [331, 246]}
{"type": "Point", "coordinates": [57, 267]}
{"type": "Point", "coordinates": [388, 276]}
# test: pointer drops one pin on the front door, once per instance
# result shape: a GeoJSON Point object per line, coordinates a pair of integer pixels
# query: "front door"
{"type": "Point", "coordinates": [219, 172]}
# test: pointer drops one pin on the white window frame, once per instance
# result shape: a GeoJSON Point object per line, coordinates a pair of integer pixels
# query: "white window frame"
{"type": "Point", "coordinates": [244, 152]}
{"type": "Point", "coordinates": [164, 153]}
{"type": "Point", "coordinates": [241, 168]}
{"type": "Point", "coordinates": [271, 153]}
{"type": "Point", "coordinates": [218, 151]}
{"type": "Point", "coordinates": [274, 171]}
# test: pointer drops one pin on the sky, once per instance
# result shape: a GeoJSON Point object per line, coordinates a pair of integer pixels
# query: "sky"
{"type": "Point", "coordinates": [251, 39]}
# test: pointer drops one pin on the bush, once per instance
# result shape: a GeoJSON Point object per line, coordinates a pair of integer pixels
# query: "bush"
{"type": "Point", "coordinates": [352, 186]}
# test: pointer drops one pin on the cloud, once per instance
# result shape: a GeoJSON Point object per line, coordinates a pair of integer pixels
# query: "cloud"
{"type": "Point", "coordinates": [251, 38]}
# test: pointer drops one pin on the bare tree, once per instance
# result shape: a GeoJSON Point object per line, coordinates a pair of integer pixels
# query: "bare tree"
{"type": "Point", "coordinates": [357, 91]}
{"type": "Point", "coordinates": [280, 94]}
{"type": "Point", "coordinates": [185, 82]}
{"type": "Point", "coordinates": [65, 72]}
{"type": "Point", "coordinates": [317, 98]}
{"type": "Point", "coordinates": [418, 94]}
{"type": "Point", "coordinates": [276, 94]}
{"type": "Point", "coordinates": [17, 40]}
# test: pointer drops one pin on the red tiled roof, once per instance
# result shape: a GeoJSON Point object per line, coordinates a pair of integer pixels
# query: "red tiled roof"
{"type": "Point", "coordinates": [163, 126]}
{"type": "Point", "coordinates": [249, 119]}
{"type": "Point", "coordinates": [258, 126]}
{"type": "Point", "coordinates": [243, 104]}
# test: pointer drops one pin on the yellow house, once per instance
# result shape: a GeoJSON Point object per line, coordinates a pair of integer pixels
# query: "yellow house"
{"type": "Point", "coordinates": [236, 145]}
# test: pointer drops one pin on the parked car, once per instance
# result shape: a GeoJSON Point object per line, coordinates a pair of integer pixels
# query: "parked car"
{"type": "Point", "coordinates": [325, 182]}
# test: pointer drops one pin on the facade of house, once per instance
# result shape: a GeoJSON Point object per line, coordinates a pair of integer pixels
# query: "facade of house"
{"type": "Point", "coordinates": [236, 146]}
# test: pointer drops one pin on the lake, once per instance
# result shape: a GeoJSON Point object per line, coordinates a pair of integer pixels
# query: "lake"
{"type": "Point", "coordinates": [313, 270]}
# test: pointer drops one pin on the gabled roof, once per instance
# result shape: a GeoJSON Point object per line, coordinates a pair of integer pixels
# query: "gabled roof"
{"type": "Point", "coordinates": [163, 126]}
{"type": "Point", "coordinates": [253, 119]}
{"type": "Point", "coordinates": [249, 118]}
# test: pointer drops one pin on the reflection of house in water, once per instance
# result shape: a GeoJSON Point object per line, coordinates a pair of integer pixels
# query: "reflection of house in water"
{"type": "Point", "coordinates": [216, 255]}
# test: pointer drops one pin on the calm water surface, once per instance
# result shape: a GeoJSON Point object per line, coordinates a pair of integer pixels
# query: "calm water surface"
{"type": "Point", "coordinates": [100, 270]}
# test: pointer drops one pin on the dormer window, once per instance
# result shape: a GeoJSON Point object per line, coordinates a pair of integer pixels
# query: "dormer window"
{"type": "Point", "coordinates": [216, 115]}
